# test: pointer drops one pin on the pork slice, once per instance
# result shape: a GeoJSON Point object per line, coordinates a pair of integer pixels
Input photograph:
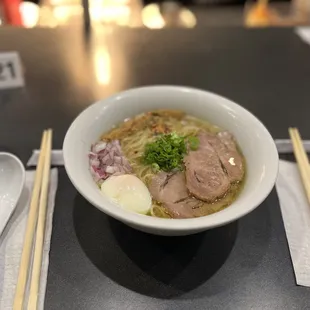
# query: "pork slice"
{"type": "Point", "coordinates": [230, 157]}
{"type": "Point", "coordinates": [226, 149]}
{"type": "Point", "coordinates": [205, 177]}
{"type": "Point", "coordinates": [170, 190]}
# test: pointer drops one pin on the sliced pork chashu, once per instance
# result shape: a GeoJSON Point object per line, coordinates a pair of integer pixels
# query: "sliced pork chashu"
{"type": "Point", "coordinates": [205, 176]}
{"type": "Point", "coordinates": [170, 190]}
{"type": "Point", "coordinates": [230, 157]}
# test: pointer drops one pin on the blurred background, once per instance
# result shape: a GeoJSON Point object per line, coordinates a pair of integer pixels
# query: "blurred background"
{"type": "Point", "coordinates": [154, 14]}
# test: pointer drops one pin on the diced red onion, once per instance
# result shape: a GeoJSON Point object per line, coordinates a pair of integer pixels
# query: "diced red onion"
{"type": "Point", "coordinates": [123, 170]}
{"type": "Point", "coordinates": [94, 162]}
{"type": "Point", "coordinates": [103, 153]}
{"type": "Point", "coordinates": [126, 169]}
{"type": "Point", "coordinates": [110, 169]}
{"type": "Point", "coordinates": [106, 159]}
{"type": "Point", "coordinates": [125, 162]}
{"type": "Point", "coordinates": [92, 155]}
{"type": "Point", "coordinates": [94, 174]}
{"type": "Point", "coordinates": [118, 168]}
{"type": "Point", "coordinates": [99, 146]}
{"type": "Point", "coordinates": [98, 174]}
{"type": "Point", "coordinates": [116, 143]}
{"type": "Point", "coordinates": [118, 159]}
{"type": "Point", "coordinates": [109, 162]}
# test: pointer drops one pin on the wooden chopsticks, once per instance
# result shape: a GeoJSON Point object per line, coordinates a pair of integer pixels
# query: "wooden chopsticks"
{"type": "Point", "coordinates": [35, 228]}
{"type": "Point", "coordinates": [38, 248]}
{"type": "Point", "coordinates": [302, 159]}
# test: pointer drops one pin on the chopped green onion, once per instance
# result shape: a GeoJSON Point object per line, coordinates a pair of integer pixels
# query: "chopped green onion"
{"type": "Point", "coordinates": [167, 152]}
{"type": "Point", "coordinates": [193, 143]}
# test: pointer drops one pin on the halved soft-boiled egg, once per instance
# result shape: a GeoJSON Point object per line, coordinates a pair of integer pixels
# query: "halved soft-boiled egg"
{"type": "Point", "coordinates": [129, 192]}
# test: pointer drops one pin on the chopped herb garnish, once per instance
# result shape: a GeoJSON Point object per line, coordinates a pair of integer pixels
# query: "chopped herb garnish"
{"type": "Point", "coordinates": [167, 152]}
{"type": "Point", "coordinates": [155, 167]}
{"type": "Point", "coordinates": [193, 143]}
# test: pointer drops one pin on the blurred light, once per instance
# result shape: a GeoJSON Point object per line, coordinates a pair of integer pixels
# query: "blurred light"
{"type": "Point", "coordinates": [118, 13]}
{"type": "Point", "coordinates": [47, 18]}
{"type": "Point", "coordinates": [187, 18]}
{"type": "Point", "coordinates": [63, 2]}
{"type": "Point", "coordinates": [30, 13]}
{"type": "Point", "coordinates": [101, 11]}
{"type": "Point", "coordinates": [151, 17]}
{"type": "Point", "coordinates": [258, 15]}
{"type": "Point", "coordinates": [63, 13]}
{"type": "Point", "coordinates": [121, 1]}
{"type": "Point", "coordinates": [102, 63]}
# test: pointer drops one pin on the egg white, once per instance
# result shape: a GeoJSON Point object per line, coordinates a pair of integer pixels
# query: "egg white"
{"type": "Point", "coordinates": [129, 192]}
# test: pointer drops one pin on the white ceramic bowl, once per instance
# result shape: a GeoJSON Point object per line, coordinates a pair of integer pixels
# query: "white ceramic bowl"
{"type": "Point", "coordinates": [254, 139]}
{"type": "Point", "coordinates": [12, 179]}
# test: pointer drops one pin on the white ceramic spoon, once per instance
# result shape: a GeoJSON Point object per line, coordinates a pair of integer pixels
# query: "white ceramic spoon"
{"type": "Point", "coordinates": [12, 179]}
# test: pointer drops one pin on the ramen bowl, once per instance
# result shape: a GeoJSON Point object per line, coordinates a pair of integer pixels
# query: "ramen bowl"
{"type": "Point", "coordinates": [253, 138]}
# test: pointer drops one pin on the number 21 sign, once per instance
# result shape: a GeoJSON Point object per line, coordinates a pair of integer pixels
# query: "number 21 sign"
{"type": "Point", "coordinates": [11, 73]}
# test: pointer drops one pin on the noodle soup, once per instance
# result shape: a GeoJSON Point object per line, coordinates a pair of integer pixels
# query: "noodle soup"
{"type": "Point", "coordinates": [187, 166]}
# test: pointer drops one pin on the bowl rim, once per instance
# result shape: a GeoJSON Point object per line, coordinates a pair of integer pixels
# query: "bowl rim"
{"type": "Point", "coordinates": [199, 223]}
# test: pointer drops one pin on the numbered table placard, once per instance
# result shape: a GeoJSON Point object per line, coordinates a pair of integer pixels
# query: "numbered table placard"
{"type": "Point", "coordinates": [11, 73]}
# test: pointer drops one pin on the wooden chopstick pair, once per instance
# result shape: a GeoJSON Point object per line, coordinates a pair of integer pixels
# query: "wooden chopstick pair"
{"type": "Point", "coordinates": [302, 159]}
{"type": "Point", "coordinates": [35, 228]}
